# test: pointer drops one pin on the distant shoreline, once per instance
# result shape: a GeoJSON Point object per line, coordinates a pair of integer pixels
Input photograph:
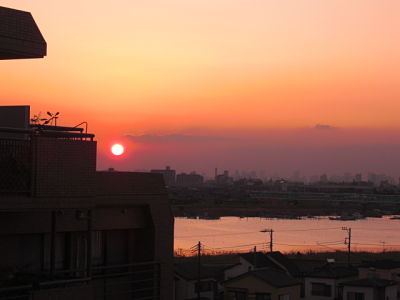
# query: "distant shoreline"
{"type": "Point", "coordinates": [273, 212]}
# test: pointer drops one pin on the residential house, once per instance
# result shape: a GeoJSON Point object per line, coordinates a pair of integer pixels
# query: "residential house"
{"type": "Point", "coordinates": [258, 260]}
{"type": "Point", "coordinates": [262, 284]}
{"type": "Point", "coordinates": [189, 281]}
{"type": "Point", "coordinates": [383, 269]}
{"type": "Point", "coordinates": [369, 289]}
{"type": "Point", "coordinates": [323, 283]}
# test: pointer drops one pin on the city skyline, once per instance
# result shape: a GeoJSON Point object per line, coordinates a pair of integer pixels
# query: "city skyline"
{"type": "Point", "coordinates": [220, 73]}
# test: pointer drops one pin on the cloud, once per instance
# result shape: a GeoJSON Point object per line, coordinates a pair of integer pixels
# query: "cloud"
{"type": "Point", "coordinates": [175, 138]}
{"type": "Point", "coordinates": [324, 127]}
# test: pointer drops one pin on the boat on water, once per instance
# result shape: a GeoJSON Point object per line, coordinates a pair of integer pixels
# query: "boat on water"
{"type": "Point", "coordinates": [343, 218]}
{"type": "Point", "coordinates": [395, 218]}
{"type": "Point", "coordinates": [348, 218]}
{"type": "Point", "coordinates": [209, 218]}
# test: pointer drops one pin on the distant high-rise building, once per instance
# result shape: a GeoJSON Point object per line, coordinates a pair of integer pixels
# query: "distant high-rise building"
{"type": "Point", "coordinates": [191, 179]}
{"type": "Point", "coordinates": [358, 177]}
{"type": "Point", "coordinates": [323, 178]}
{"type": "Point", "coordinates": [223, 179]}
{"type": "Point", "coordinates": [168, 174]}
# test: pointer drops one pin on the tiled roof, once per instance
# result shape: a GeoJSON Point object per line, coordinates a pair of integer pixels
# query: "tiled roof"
{"type": "Point", "coordinates": [287, 263]}
{"type": "Point", "coordinates": [333, 271]}
{"type": "Point", "coordinates": [274, 277]}
{"type": "Point", "coordinates": [189, 270]}
{"type": "Point", "coordinates": [381, 264]}
{"type": "Point", "coordinates": [258, 259]}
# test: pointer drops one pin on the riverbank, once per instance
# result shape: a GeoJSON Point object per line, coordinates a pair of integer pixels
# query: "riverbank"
{"type": "Point", "coordinates": [268, 211]}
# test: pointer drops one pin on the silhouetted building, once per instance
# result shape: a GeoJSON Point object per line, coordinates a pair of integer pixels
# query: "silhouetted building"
{"type": "Point", "coordinates": [191, 179]}
{"type": "Point", "coordinates": [168, 174]}
{"type": "Point", "coordinates": [223, 179]}
{"type": "Point", "coordinates": [69, 232]}
{"type": "Point", "coordinates": [19, 35]}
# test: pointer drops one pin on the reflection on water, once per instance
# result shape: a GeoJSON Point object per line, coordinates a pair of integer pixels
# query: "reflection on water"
{"type": "Point", "coordinates": [322, 234]}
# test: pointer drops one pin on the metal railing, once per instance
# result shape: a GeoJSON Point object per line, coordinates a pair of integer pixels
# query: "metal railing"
{"type": "Point", "coordinates": [140, 281]}
{"type": "Point", "coordinates": [15, 166]}
{"type": "Point", "coordinates": [134, 281]}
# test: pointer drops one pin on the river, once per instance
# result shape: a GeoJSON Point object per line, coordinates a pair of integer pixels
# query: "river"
{"type": "Point", "coordinates": [319, 234]}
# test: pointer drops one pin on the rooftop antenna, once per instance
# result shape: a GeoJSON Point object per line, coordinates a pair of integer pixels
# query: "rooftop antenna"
{"type": "Point", "coordinates": [45, 121]}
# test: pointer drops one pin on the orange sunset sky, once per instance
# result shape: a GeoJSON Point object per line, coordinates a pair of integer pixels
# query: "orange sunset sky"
{"type": "Point", "coordinates": [234, 84]}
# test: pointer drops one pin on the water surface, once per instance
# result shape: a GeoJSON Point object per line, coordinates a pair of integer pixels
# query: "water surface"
{"type": "Point", "coordinates": [233, 233]}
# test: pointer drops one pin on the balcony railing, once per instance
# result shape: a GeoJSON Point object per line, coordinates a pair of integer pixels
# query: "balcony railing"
{"type": "Point", "coordinates": [139, 281]}
{"type": "Point", "coordinates": [15, 166]}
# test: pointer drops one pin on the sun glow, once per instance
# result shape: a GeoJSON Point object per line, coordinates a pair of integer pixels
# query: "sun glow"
{"type": "Point", "coordinates": [117, 149]}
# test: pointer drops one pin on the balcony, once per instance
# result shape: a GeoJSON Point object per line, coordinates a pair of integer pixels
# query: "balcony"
{"type": "Point", "coordinates": [139, 281]}
{"type": "Point", "coordinates": [47, 162]}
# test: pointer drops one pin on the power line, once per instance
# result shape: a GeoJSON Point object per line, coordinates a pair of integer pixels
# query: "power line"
{"type": "Point", "coordinates": [249, 232]}
{"type": "Point", "coordinates": [309, 229]}
{"type": "Point", "coordinates": [217, 234]}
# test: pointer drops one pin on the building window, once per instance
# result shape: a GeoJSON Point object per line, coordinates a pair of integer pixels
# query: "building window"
{"type": "Point", "coordinates": [355, 296]}
{"type": "Point", "coordinates": [321, 289]}
{"type": "Point", "coordinates": [263, 296]}
{"type": "Point", "coordinates": [284, 297]}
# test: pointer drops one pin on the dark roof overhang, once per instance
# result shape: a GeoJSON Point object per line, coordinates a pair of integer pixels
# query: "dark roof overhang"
{"type": "Point", "coordinates": [20, 37]}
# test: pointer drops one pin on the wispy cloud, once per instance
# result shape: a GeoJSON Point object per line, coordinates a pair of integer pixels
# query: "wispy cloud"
{"type": "Point", "coordinates": [324, 127]}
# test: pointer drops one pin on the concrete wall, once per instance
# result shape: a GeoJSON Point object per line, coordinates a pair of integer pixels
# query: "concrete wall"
{"type": "Point", "coordinates": [123, 188]}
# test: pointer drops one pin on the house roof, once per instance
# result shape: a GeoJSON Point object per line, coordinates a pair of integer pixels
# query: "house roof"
{"type": "Point", "coordinates": [189, 270]}
{"type": "Point", "coordinates": [258, 260]}
{"type": "Point", "coordinates": [274, 277]}
{"type": "Point", "coordinates": [370, 282]}
{"type": "Point", "coordinates": [333, 271]}
{"type": "Point", "coordinates": [20, 37]}
{"type": "Point", "coordinates": [381, 264]}
{"type": "Point", "coordinates": [306, 266]}
{"type": "Point", "coordinates": [285, 262]}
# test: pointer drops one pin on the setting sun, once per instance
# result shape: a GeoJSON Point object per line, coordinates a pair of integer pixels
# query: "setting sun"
{"type": "Point", "coordinates": [117, 149]}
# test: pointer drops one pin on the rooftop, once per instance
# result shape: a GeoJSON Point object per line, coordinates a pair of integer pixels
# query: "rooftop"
{"type": "Point", "coordinates": [189, 270]}
{"type": "Point", "coordinates": [333, 271]}
{"type": "Point", "coordinates": [274, 277]}
{"type": "Point", "coordinates": [381, 264]}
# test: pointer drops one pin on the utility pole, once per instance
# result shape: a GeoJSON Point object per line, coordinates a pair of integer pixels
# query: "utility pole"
{"type": "Point", "coordinates": [271, 242]}
{"type": "Point", "coordinates": [348, 241]}
{"type": "Point", "coordinates": [255, 257]}
{"type": "Point", "coordinates": [198, 269]}
{"type": "Point", "coordinates": [383, 246]}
